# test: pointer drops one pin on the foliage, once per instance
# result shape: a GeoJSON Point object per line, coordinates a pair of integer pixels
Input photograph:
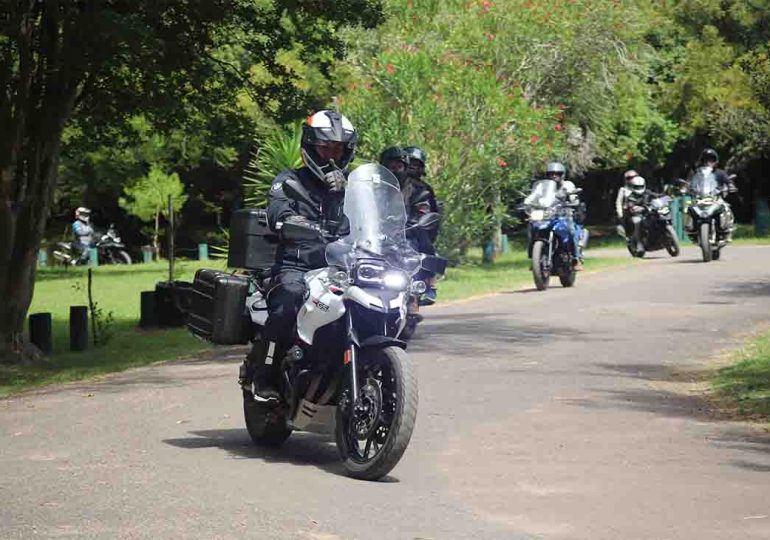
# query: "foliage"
{"type": "Point", "coordinates": [492, 90]}
{"type": "Point", "coordinates": [148, 197]}
{"type": "Point", "coordinates": [277, 150]}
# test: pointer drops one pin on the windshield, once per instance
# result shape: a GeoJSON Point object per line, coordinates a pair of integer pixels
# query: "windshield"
{"type": "Point", "coordinates": [543, 194]}
{"type": "Point", "coordinates": [703, 183]}
{"type": "Point", "coordinates": [375, 208]}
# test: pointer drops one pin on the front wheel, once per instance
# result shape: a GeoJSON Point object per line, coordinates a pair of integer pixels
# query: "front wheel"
{"type": "Point", "coordinates": [704, 239]}
{"type": "Point", "coordinates": [373, 431]}
{"type": "Point", "coordinates": [265, 426]}
{"type": "Point", "coordinates": [567, 279]}
{"type": "Point", "coordinates": [672, 241]}
{"type": "Point", "coordinates": [541, 272]}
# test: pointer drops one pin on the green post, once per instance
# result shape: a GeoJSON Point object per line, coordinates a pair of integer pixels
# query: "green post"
{"type": "Point", "coordinates": [761, 217]}
{"type": "Point", "coordinates": [93, 257]}
{"type": "Point", "coordinates": [42, 258]}
{"type": "Point", "coordinates": [203, 252]}
{"type": "Point", "coordinates": [488, 254]}
{"type": "Point", "coordinates": [504, 246]}
{"type": "Point", "coordinates": [677, 212]}
{"type": "Point", "coordinates": [146, 254]}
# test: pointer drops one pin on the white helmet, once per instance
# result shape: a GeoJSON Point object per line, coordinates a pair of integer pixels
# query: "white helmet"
{"type": "Point", "coordinates": [637, 185]}
{"type": "Point", "coordinates": [83, 214]}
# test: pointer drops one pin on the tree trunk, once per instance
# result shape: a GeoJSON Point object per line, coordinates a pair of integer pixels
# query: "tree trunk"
{"type": "Point", "coordinates": [155, 236]}
{"type": "Point", "coordinates": [33, 111]}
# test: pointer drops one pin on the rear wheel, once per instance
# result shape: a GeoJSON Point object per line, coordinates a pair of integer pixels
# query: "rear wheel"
{"type": "Point", "coordinates": [265, 425]}
{"type": "Point", "coordinates": [704, 239]}
{"type": "Point", "coordinates": [541, 272]}
{"type": "Point", "coordinates": [672, 241]}
{"type": "Point", "coordinates": [568, 279]}
{"type": "Point", "coordinates": [373, 431]}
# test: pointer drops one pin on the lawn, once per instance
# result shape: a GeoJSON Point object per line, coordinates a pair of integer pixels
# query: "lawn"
{"type": "Point", "coordinates": [745, 385]}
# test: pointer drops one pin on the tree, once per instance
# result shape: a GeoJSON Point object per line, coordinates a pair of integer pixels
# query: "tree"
{"type": "Point", "coordinates": [93, 61]}
{"type": "Point", "coordinates": [148, 198]}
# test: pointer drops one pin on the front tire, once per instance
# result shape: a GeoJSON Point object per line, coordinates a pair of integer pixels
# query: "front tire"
{"type": "Point", "coordinates": [704, 239]}
{"type": "Point", "coordinates": [672, 242]}
{"type": "Point", "coordinates": [540, 272]}
{"type": "Point", "coordinates": [568, 279]}
{"type": "Point", "coordinates": [265, 427]}
{"type": "Point", "coordinates": [388, 434]}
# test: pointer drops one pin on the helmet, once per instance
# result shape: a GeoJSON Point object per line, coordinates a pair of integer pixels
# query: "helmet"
{"type": "Point", "coordinates": [556, 168]}
{"type": "Point", "coordinates": [417, 160]}
{"type": "Point", "coordinates": [396, 160]}
{"type": "Point", "coordinates": [709, 154]}
{"type": "Point", "coordinates": [637, 184]}
{"type": "Point", "coordinates": [83, 214]}
{"type": "Point", "coordinates": [321, 131]}
{"type": "Point", "coordinates": [629, 174]}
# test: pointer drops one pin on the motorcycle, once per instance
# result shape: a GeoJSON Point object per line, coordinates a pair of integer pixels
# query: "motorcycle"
{"type": "Point", "coordinates": [550, 235]}
{"type": "Point", "coordinates": [656, 231]}
{"type": "Point", "coordinates": [110, 249]}
{"type": "Point", "coordinates": [710, 218]}
{"type": "Point", "coordinates": [347, 373]}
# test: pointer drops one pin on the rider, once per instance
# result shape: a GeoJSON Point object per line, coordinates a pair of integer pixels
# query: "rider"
{"type": "Point", "coordinates": [710, 158]}
{"type": "Point", "coordinates": [566, 192]}
{"type": "Point", "coordinates": [83, 232]}
{"type": "Point", "coordinates": [638, 195]}
{"type": "Point", "coordinates": [422, 193]}
{"type": "Point", "coordinates": [621, 199]}
{"type": "Point", "coordinates": [327, 147]}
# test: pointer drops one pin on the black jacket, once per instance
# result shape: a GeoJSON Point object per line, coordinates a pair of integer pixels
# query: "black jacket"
{"type": "Point", "coordinates": [326, 211]}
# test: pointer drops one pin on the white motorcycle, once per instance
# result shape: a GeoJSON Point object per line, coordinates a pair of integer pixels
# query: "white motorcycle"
{"type": "Point", "coordinates": [348, 373]}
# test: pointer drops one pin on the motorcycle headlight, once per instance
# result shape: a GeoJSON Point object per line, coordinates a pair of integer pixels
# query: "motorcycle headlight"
{"type": "Point", "coordinates": [395, 280]}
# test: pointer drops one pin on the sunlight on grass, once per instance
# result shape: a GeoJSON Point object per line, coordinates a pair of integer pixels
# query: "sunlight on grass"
{"type": "Point", "coordinates": [746, 384]}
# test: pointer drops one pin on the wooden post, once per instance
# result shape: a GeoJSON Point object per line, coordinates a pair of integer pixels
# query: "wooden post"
{"type": "Point", "coordinates": [78, 328]}
{"type": "Point", "coordinates": [40, 332]}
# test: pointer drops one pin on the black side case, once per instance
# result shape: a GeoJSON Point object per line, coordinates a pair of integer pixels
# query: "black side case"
{"type": "Point", "coordinates": [218, 308]}
{"type": "Point", "coordinates": [252, 244]}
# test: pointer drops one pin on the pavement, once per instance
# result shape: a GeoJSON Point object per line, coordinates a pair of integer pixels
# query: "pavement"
{"type": "Point", "coordinates": [550, 414]}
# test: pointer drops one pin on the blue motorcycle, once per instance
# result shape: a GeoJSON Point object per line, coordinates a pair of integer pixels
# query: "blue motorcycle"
{"type": "Point", "coordinates": [551, 227]}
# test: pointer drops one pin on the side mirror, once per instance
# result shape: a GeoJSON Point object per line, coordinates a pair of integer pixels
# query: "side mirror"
{"type": "Point", "coordinates": [295, 190]}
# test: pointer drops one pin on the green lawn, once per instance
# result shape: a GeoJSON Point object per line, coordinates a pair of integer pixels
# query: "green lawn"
{"type": "Point", "coordinates": [745, 385]}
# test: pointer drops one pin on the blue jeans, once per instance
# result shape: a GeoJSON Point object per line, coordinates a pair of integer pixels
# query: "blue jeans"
{"type": "Point", "coordinates": [577, 235]}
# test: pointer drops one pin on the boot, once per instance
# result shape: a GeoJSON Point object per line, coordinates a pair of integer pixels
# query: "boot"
{"type": "Point", "coordinates": [265, 364]}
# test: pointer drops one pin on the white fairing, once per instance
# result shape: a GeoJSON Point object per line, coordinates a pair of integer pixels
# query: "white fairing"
{"type": "Point", "coordinates": [257, 307]}
{"type": "Point", "coordinates": [321, 307]}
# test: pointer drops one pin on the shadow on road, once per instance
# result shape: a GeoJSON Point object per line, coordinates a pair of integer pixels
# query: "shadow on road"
{"type": "Point", "coordinates": [674, 404]}
{"type": "Point", "coordinates": [301, 449]}
{"type": "Point", "coordinates": [746, 288]}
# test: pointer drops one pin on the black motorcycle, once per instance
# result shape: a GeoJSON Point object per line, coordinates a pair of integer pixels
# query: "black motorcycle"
{"type": "Point", "coordinates": [110, 249]}
{"type": "Point", "coordinates": [653, 217]}
{"type": "Point", "coordinates": [710, 218]}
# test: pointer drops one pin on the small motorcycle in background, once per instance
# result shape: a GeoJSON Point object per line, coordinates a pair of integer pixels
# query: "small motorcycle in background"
{"type": "Point", "coordinates": [110, 249]}
{"type": "Point", "coordinates": [710, 219]}
{"type": "Point", "coordinates": [656, 232]}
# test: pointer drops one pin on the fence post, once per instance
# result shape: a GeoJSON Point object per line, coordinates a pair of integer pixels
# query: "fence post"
{"type": "Point", "coordinates": [40, 332]}
{"type": "Point", "coordinates": [42, 258]}
{"type": "Point", "coordinates": [147, 254]}
{"type": "Point", "coordinates": [93, 257]}
{"type": "Point", "coordinates": [203, 252]}
{"type": "Point", "coordinates": [78, 328]}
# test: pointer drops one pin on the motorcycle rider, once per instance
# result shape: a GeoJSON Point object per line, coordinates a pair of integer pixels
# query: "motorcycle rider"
{"type": "Point", "coordinates": [83, 232]}
{"type": "Point", "coordinates": [710, 158]}
{"type": "Point", "coordinates": [638, 195]}
{"type": "Point", "coordinates": [422, 193]}
{"type": "Point", "coordinates": [620, 202]}
{"type": "Point", "coordinates": [566, 192]}
{"type": "Point", "coordinates": [327, 147]}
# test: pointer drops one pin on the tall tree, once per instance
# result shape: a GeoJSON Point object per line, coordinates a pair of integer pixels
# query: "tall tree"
{"type": "Point", "coordinates": [97, 60]}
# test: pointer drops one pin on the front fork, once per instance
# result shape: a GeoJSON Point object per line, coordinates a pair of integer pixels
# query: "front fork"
{"type": "Point", "coordinates": [351, 358]}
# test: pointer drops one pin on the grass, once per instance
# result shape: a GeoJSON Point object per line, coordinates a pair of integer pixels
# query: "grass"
{"type": "Point", "coordinates": [116, 290]}
{"type": "Point", "coordinates": [745, 385]}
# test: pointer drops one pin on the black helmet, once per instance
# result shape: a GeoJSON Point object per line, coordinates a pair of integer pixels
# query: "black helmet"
{"type": "Point", "coordinates": [391, 158]}
{"type": "Point", "coordinates": [709, 154]}
{"type": "Point", "coordinates": [322, 128]}
{"type": "Point", "coordinates": [417, 161]}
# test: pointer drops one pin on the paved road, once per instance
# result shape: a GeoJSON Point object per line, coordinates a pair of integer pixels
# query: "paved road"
{"type": "Point", "coordinates": [542, 415]}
